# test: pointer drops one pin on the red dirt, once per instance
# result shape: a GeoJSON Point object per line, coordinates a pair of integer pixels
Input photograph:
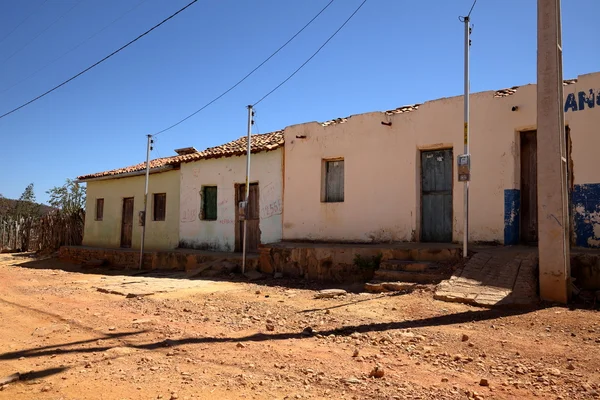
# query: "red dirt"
{"type": "Point", "coordinates": [233, 340]}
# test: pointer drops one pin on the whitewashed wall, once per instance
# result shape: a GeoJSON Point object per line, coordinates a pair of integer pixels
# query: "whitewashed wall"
{"type": "Point", "coordinates": [382, 167]}
{"type": "Point", "coordinates": [225, 173]}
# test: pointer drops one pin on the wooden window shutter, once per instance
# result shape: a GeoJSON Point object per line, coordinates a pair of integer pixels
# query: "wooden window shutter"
{"type": "Point", "coordinates": [209, 203]}
{"type": "Point", "coordinates": [99, 209]}
{"type": "Point", "coordinates": [160, 206]}
{"type": "Point", "coordinates": [334, 181]}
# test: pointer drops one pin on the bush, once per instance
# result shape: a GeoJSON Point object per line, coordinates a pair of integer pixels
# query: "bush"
{"type": "Point", "coordinates": [368, 263]}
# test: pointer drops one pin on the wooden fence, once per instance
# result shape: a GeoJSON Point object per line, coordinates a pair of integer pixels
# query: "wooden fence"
{"type": "Point", "coordinates": [46, 233]}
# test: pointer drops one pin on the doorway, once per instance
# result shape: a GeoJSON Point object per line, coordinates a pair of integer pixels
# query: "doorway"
{"type": "Point", "coordinates": [436, 196]}
{"type": "Point", "coordinates": [253, 219]}
{"type": "Point", "coordinates": [529, 203]}
{"type": "Point", "coordinates": [127, 223]}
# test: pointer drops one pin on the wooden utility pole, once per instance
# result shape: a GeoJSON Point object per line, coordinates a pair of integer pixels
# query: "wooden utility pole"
{"type": "Point", "coordinates": [553, 215]}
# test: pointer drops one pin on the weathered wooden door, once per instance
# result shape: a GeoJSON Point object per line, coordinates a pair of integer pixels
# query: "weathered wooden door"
{"type": "Point", "coordinates": [436, 196]}
{"type": "Point", "coordinates": [529, 204]}
{"type": "Point", "coordinates": [127, 223]}
{"type": "Point", "coordinates": [253, 220]}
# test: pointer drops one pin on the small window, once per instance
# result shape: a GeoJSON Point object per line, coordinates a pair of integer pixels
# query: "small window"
{"type": "Point", "coordinates": [160, 206]}
{"type": "Point", "coordinates": [99, 209]}
{"type": "Point", "coordinates": [333, 181]}
{"type": "Point", "coordinates": [209, 203]}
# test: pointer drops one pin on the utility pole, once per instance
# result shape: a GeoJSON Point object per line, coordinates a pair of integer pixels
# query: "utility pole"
{"type": "Point", "coordinates": [464, 160]}
{"type": "Point", "coordinates": [245, 207]}
{"type": "Point", "coordinates": [143, 218]}
{"type": "Point", "coordinates": [553, 215]}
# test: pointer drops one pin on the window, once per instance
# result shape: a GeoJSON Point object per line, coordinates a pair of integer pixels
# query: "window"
{"type": "Point", "coordinates": [99, 209]}
{"type": "Point", "coordinates": [333, 181]}
{"type": "Point", "coordinates": [209, 203]}
{"type": "Point", "coordinates": [160, 206]}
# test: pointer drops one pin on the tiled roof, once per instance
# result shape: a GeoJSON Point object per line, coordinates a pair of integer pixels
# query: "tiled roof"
{"type": "Point", "coordinates": [399, 110]}
{"type": "Point", "coordinates": [513, 90]}
{"type": "Point", "coordinates": [261, 142]}
{"type": "Point", "coordinates": [403, 109]}
{"type": "Point", "coordinates": [335, 121]}
{"type": "Point", "coordinates": [506, 92]}
{"type": "Point", "coordinates": [156, 163]}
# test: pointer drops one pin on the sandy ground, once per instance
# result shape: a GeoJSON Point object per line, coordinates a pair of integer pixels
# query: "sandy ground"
{"type": "Point", "coordinates": [201, 339]}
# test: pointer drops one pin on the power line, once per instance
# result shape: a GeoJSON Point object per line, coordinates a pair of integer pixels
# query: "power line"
{"type": "Point", "coordinates": [42, 31]}
{"type": "Point", "coordinates": [98, 62]}
{"type": "Point", "coordinates": [314, 54]}
{"type": "Point", "coordinates": [472, 7]}
{"type": "Point", "coordinates": [463, 19]}
{"type": "Point", "coordinates": [247, 75]}
{"type": "Point", "coordinates": [23, 21]}
{"type": "Point", "coordinates": [74, 48]}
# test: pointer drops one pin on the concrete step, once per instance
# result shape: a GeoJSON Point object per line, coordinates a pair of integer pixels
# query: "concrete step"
{"type": "Point", "coordinates": [403, 265]}
{"type": "Point", "coordinates": [423, 277]}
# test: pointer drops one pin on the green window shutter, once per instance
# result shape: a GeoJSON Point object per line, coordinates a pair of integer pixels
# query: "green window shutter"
{"type": "Point", "coordinates": [210, 203]}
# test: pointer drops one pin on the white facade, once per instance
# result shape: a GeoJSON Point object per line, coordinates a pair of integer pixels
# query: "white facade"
{"type": "Point", "coordinates": [226, 173]}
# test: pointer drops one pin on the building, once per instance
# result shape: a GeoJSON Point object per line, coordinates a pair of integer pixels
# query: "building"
{"type": "Point", "coordinates": [213, 184]}
{"type": "Point", "coordinates": [115, 200]}
{"type": "Point", "coordinates": [370, 178]}
{"type": "Point", "coordinates": [391, 176]}
{"type": "Point", "coordinates": [192, 199]}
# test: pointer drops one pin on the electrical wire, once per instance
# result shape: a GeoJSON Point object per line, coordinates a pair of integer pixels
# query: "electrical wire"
{"type": "Point", "coordinates": [463, 19]}
{"type": "Point", "coordinates": [72, 49]}
{"type": "Point", "coordinates": [98, 62]}
{"type": "Point", "coordinates": [247, 75]}
{"type": "Point", "coordinates": [472, 7]}
{"type": "Point", "coordinates": [313, 55]}
{"type": "Point", "coordinates": [42, 31]}
{"type": "Point", "coordinates": [23, 21]}
{"type": "Point", "coordinates": [155, 147]}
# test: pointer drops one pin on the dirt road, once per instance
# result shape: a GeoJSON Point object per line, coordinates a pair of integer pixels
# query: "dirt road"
{"type": "Point", "coordinates": [234, 340]}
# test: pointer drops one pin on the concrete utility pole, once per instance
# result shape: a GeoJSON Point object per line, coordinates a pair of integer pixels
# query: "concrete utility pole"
{"type": "Point", "coordinates": [247, 195]}
{"type": "Point", "coordinates": [148, 149]}
{"type": "Point", "coordinates": [553, 214]}
{"type": "Point", "coordinates": [467, 83]}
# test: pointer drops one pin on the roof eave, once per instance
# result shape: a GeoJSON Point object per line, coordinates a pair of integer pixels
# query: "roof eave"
{"type": "Point", "coordinates": [126, 174]}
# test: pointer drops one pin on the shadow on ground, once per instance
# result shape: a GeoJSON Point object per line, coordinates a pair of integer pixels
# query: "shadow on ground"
{"type": "Point", "coordinates": [31, 261]}
{"type": "Point", "coordinates": [449, 319]}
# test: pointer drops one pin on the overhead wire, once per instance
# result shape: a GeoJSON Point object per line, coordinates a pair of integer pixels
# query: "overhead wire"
{"type": "Point", "coordinates": [23, 21]}
{"type": "Point", "coordinates": [463, 19]}
{"type": "Point", "coordinates": [42, 31]}
{"type": "Point", "coordinates": [98, 62]}
{"type": "Point", "coordinates": [248, 74]}
{"type": "Point", "coordinates": [472, 7]}
{"type": "Point", "coordinates": [73, 48]}
{"type": "Point", "coordinates": [312, 56]}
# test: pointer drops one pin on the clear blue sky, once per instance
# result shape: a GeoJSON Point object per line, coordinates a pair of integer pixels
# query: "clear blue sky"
{"type": "Point", "coordinates": [394, 52]}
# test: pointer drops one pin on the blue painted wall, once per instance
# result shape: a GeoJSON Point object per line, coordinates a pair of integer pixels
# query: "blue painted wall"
{"type": "Point", "coordinates": [585, 200]}
{"type": "Point", "coordinates": [586, 214]}
{"type": "Point", "coordinates": [512, 216]}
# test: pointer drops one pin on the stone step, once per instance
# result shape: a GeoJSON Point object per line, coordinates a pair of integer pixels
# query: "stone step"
{"type": "Point", "coordinates": [425, 277]}
{"type": "Point", "coordinates": [403, 265]}
{"type": "Point", "coordinates": [381, 287]}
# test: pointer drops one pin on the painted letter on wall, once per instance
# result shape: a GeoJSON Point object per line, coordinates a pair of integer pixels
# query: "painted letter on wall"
{"type": "Point", "coordinates": [590, 99]}
{"type": "Point", "coordinates": [585, 99]}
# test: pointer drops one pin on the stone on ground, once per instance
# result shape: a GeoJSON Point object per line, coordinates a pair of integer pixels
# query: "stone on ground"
{"type": "Point", "coordinates": [329, 293]}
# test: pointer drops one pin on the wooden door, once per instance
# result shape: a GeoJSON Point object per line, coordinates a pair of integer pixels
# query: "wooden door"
{"type": "Point", "coordinates": [253, 220]}
{"type": "Point", "coordinates": [436, 196]}
{"type": "Point", "coordinates": [127, 223]}
{"type": "Point", "coordinates": [529, 204]}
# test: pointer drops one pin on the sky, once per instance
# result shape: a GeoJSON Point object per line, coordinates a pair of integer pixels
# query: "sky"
{"type": "Point", "coordinates": [392, 53]}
